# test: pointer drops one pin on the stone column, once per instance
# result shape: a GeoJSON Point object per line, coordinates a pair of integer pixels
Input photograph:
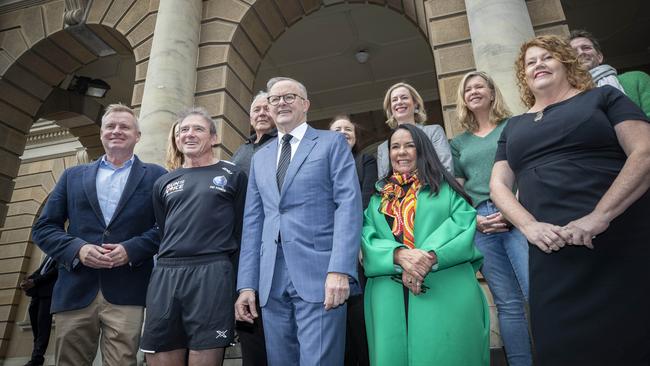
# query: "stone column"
{"type": "Point", "coordinates": [498, 28]}
{"type": "Point", "coordinates": [171, 74]}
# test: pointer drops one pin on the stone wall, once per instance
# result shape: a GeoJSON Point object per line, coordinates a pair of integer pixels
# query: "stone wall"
{"type": "Point", "coordinates": [452, 45]}
{"type": "Point", "coordinates": [18, 255]}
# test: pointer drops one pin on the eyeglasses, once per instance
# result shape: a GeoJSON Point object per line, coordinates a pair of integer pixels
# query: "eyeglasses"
{"type": "Point", "coordinates": [398, 279]}
{"type": "Point", "coordinates": [288, 98]}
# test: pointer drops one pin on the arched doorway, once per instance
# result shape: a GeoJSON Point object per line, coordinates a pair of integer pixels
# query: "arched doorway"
{"type": "Point", "coordinates": [42, 48]}
{"type": "Point", "coordinates": [321, 51]}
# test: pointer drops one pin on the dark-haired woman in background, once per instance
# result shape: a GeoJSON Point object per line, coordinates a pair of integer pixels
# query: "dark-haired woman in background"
{"type": "Point", "coordinates": [356, 343]}
{"type": "Point", "coordinates": [366, 163]}
{"type": "Point", "coordinates": [483, 113]}
{"type": "Point", "coordinates": [423, 303]}
{"type": "Point", "coordinates": [581, 160]}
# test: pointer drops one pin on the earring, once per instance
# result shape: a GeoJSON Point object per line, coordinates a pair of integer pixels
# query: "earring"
{"type": "Point", "coordinates": [417, 109]}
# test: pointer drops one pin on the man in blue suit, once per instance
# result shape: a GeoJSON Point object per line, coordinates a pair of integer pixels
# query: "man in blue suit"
{"type": "Point", "coordinates": [302, 227]}
{"type": "Point", "coordinates": [105, 253]}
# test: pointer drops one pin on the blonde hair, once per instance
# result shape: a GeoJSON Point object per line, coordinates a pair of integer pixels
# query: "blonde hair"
{"type": "Point", "coordinates": [119, 107]}
{"type": "Point", "coordinates": [82, 156]}
{"type": "Point", "coordinates": [577, 76]}
{"type": "Point", "coordinates": [420, 115]}
{"type": "Point", "coordinates": [498, 108]}
{"type": "Point", "coordinates": [173, 155]}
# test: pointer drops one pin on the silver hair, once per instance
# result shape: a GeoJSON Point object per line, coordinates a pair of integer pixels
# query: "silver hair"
{"type": "Point", "coordinates": [119, 107]}
{"type": "Point", "coordinates": [197, 111]}
{"type": "Point", "coordinates": [278, 79]}
{"type": "Point", "coordinates": [260, 95]}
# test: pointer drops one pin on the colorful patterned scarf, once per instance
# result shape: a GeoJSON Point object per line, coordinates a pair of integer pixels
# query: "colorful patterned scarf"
{"type": "Point", "coordinates": [400, 204]}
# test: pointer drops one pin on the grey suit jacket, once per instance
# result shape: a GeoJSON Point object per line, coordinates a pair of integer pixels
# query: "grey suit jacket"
{"type": "Point", "coordinates": [438, 138]}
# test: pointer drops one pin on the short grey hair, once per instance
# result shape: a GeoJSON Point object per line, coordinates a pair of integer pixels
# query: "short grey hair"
{"type": "Point", "coordinates": [262, 94]}
{"type": "Point", "coordinates": [117, 108]}
{"type": "Point", "coordinates": [197, 111]}
{"type": "Point", "coordinates": [278, 79]}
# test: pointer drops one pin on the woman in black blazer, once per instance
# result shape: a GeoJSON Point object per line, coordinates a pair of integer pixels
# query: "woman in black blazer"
{"type": "Point", "coordinates": [356, 347]}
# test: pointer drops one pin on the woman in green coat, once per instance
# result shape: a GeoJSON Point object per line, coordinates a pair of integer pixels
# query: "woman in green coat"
{"type": "Point", "coordinates": [423, 304]}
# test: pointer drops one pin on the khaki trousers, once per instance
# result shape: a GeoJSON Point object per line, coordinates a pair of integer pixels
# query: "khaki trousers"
{"type": "Point", "coordinates": [116, 327]}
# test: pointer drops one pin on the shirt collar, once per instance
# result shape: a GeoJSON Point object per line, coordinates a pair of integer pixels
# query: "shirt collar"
{"type": "Point", "coordinates": [106, 164]}
{"type": "Point", "coordinates": [298, 133]}
{"type": "Point", "coordinates": [271, 134]}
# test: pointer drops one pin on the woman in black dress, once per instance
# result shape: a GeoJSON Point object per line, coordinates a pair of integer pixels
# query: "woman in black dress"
{"type": "Point", "coordinates": [581, 160]}
{"type": "Point", "coordinates": [356, 342]}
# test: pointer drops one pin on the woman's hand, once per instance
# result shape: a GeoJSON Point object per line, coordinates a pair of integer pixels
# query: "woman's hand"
{"type": "Point", "coordinates": [414, 285]}
{"type": "Point", "coordinates": [416, 262]}
{"type": "Point", "coordinates": [584, 229]}
{"type": "Point", "coordinates": [494, 223]}
{"type": "Point", "coordinates": [547, 237]}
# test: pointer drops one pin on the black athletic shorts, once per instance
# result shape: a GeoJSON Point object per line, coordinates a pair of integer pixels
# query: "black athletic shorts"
{"type": "Point", "coordinates": [190, 304]}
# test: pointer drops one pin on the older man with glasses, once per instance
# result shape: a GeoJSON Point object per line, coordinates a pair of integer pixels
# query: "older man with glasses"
{"type": "Point", "coordinates": [302, 225]}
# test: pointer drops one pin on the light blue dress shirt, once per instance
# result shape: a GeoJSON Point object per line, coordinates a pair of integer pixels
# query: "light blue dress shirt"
{"type": "Point", "coordinates": [110, 183]}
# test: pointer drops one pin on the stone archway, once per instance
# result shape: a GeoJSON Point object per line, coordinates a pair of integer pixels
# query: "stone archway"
{"type": "Point", "coordinates": [321, 51]}
{"type": "Point", "coordinates": [235, 38]}
{"type": "Point", "coordinates": [39, 48]}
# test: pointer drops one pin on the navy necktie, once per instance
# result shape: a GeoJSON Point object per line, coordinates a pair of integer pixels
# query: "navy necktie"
{"type": "Point", "coordinates": [285, 158]}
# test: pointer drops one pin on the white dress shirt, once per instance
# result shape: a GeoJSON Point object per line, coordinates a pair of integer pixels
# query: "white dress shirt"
{"type": "Point", "coordinates": [298, 133]}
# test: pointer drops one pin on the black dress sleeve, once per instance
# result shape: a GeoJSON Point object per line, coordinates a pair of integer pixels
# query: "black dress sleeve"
{"type": "Point", "coordinates": [619, 107]}
{"type": "Point", "coordinates": [501, 153]}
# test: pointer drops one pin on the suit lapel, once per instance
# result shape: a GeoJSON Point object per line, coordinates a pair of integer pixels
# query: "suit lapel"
{"type": "Point", "coordinates": [267, 157]}
{"type": "Point", "coordinates": [135, 176]}
{"type": "Point", "coordinates": [304, 148]}
{"type": "Point", "coordinates": [90, 188]}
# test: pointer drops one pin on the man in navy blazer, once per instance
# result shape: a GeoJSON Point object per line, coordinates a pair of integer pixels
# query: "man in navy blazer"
{"type": "Point", "coordinates": [105, 252]}
{"type": "Point", "coordinates": [302, 227]}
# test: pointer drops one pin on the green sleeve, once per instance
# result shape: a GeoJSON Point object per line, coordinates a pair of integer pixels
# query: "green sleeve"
{"type": "Point", "coordinates": [637, 87]}
{"type": "Point", "coordinates": [453, 240]}
{"type": "Point", "coordinates": [644, 93]}
{"type": "Point", "coordinates": [377, 250]}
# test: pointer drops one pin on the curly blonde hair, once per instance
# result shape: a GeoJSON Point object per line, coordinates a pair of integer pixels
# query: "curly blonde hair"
{"type": "Point", "coordinates": [577, 76]}
{"type": "Point", "coordinates": [498, 108]}
{"type": "Point", "coordinates": [420, 115]}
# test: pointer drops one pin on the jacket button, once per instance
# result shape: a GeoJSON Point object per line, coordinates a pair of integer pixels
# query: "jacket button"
{"type": "Point", "coordinates": [107, 233]}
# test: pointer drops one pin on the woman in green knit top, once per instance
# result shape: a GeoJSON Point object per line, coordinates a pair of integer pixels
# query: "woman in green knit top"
{"type": "Point", "coordinates": [483, 113]}
{"type": "Point", "coordinates": [423, 304]}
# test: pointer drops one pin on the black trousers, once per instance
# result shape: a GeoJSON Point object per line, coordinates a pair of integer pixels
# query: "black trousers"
{"type": "Point", "coordinates": [41, 319]}
{"type": "Point", "coordinates": [251, 337]}
{"type": "Point", "coordinates": [356, 342]}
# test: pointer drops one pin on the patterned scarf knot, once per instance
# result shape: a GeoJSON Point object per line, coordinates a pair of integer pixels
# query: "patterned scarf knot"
{"type": "Point", "coordinates": [398, 200]}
